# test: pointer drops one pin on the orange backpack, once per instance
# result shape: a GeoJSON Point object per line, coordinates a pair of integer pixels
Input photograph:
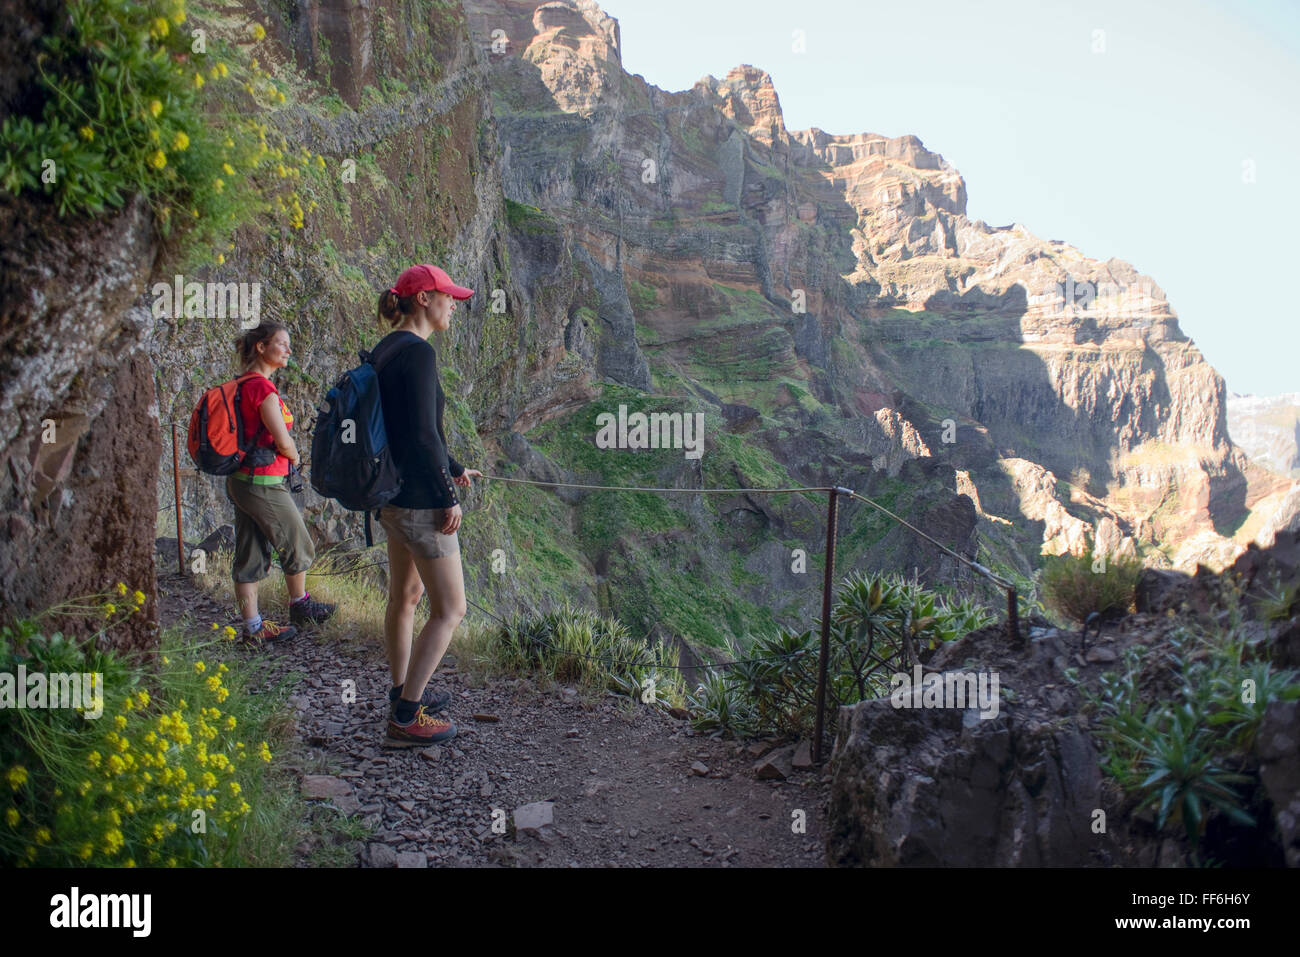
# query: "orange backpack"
{"type": "Point", "coordinates": [217, 441]}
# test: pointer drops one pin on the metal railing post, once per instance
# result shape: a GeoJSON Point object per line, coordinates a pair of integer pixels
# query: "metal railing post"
{"type": "Point", "coordinates": [823, 657]}
{"type": "Point", "coordinates": [176, 483]}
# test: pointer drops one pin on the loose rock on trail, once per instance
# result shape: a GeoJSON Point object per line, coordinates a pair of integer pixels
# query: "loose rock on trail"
{"type": "Point", "coordinates": [572, 782]}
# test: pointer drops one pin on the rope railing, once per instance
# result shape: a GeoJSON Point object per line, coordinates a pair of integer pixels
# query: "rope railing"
{"type": "Point", "coordinates": [834, 494]}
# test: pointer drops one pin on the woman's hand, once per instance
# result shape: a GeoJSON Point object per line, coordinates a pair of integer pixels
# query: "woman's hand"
{"type": "Point", "coordinates": [464, 477]}
{"type": "Point", "coordinates": [451, 520]}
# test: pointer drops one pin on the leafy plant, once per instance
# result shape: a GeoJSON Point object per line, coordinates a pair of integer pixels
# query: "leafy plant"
{"type": "Point", "coordinates": [136, 100]}
{"type": "Point", "coordinates": [1076, 586]}
{"type": "Point", "coordinates": [175, 769]}
{"type": "Point", "coordinates": [1187, 756]}
{"type": "Point", "coordinates": [879, 623]}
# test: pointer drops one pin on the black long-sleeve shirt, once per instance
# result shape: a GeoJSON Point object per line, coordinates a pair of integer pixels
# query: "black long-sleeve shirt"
{"type": "Point", "coordinates": [413, 403]}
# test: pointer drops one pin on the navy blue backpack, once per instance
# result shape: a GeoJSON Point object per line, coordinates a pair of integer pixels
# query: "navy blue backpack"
{"type": "Point", "coordinates": [351, 460]}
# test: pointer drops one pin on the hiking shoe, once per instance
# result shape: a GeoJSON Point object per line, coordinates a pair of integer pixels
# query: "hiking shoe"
{"type": "Point", "coordinates": [432, 700]}
{"type": "Point", "coordinates": [421, 732]}
{"type": "Point", "coordinates": [269, 632]}
{"type": "Point", "coordinates": [309, 612]}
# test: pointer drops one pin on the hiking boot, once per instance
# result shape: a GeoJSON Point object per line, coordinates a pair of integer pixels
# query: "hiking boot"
{"type": "Point", "coordinates": [421, 732]}
{"type": "Point", "coordinates": [432, 700]}
{"type": "Point", "coordinates": [269, 632]}
{"type": "Point", "coordinates": [309, 612]}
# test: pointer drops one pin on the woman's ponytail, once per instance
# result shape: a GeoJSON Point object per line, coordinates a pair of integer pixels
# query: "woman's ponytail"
{"type": "Point", "coordinates": [393, 307]}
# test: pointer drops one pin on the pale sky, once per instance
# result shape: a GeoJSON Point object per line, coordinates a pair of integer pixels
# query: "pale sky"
{"type": "Point", "coordinates": [1139, 151]}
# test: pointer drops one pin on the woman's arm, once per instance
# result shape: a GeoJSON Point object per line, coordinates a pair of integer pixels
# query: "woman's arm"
{"type": "Point", "coordinates": [273, 419]}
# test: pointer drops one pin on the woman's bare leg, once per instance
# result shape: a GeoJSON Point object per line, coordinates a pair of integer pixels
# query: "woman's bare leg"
{"type": "Point", "coordinates": [445, 582]}
{"type": "Point", "coordinates": [404, 591]}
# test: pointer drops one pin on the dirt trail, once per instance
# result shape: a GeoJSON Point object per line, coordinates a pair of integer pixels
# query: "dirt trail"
{"type": "Point", "coordinates": [621, 780]}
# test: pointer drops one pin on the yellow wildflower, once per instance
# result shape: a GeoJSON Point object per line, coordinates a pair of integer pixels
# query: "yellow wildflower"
{"type": "Point", "coordinates": [213, 683]}
{"type": "Point", "coordinates": [109, 610]}
{"type": "Point", "coordinates": [86, 850]}
{"type": "Point", "coordinates": [157, 159]}
{"type": "Point", "coordinates": [16, 776]}
{"type": "Point", "coordinates": [222, 67]}
{"type": "Point", "coordinates": [120, 588]}
{"type": "Point", "coordinates": [94, 758]}
{"type": "Point", "coordinates": [119, 721]}
{"type": "Point", "coordinates": [138, 596]}
{"type": "Point", "coordinates": [155, 107]}
{"type": "Point", "coordinates": [199, 667]}
{"type": "Point", "coordinates": [222, 665]}
{"type": "Point", "coordinates": [198, 81]}
{"type": "Point", "coordinates": [223, 694]}
{"type": "Point", "coordinates": [43, 835]}
{"type": "Point", "coordinates": [258, 31]}
{"type": "Point", "coordinates": [227, 169]}
{"type": "Point", "coordinates": [230, 722]}
{"type": "Point", "coordinates": [87, 133]}
{"type": "Point", "coordinates": [159, 28]}
{"type": "Point", "coordinates": [180, 142]}
{"type": "Point", "coordinates": [230, 631]}
{"type": "Point", "coordinates": [12, 817]}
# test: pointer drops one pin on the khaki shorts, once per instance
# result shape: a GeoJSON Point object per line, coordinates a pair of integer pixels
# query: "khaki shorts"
{"type": "Point", "coordinates": [417, 530]}
{"type": "Point", "coordinates": [266, 518]}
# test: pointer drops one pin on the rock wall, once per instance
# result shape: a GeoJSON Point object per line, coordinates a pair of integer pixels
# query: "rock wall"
{"type": "Point", "coordinates": [78, 418]}
{"type": "Point", "coordinates": [714, 217]}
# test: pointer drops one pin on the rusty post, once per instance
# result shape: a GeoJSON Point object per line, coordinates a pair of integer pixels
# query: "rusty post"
{"type": "Point", "coordinates": [1013, 614]}
{"type": "Point", "coordinates": [176, 481]}
{"type": "Point", "coordinates": [824, 657]}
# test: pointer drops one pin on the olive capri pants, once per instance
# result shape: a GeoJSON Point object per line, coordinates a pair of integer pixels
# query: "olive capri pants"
{"type": "Point", "coordinates": [266, 518]}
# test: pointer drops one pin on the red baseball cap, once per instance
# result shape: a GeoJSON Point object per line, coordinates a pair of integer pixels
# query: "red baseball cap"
{"type": "Point", "coordinates": [419, 278]}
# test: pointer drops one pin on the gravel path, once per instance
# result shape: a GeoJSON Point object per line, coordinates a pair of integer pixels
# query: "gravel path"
{"type": "Point", "coordinates": [627, 786]}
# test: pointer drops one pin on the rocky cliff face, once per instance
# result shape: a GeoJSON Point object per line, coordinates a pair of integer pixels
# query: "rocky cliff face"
{"type": "Point", "coordinates": [78, 420]}
{"type": "Point", "coordinates": [835, 284]}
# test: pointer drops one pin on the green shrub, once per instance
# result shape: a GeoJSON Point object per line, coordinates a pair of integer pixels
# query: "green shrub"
{"type": "Point", "coordinates": [773, 687]}
{"type": "Point", "coordinates": [176, 770]}
{"type": "Point", "coordinates": [579, 646]}
{"type": "Point", "coordinates": [1075, 587]}
{"type": "Point", "coordinates": [1178, 724]}
{"type": "Point", "coordinates": [132, 105]}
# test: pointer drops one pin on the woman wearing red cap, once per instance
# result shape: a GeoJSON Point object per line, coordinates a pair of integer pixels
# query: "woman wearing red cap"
{"type": "Point", "coordinates": [421, 522]}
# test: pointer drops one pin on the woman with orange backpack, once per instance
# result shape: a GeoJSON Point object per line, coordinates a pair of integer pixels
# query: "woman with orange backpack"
{"type": "Point", "coordinates": [265, 515]}
{"type": "Point", "coordinates": [422, 520]}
